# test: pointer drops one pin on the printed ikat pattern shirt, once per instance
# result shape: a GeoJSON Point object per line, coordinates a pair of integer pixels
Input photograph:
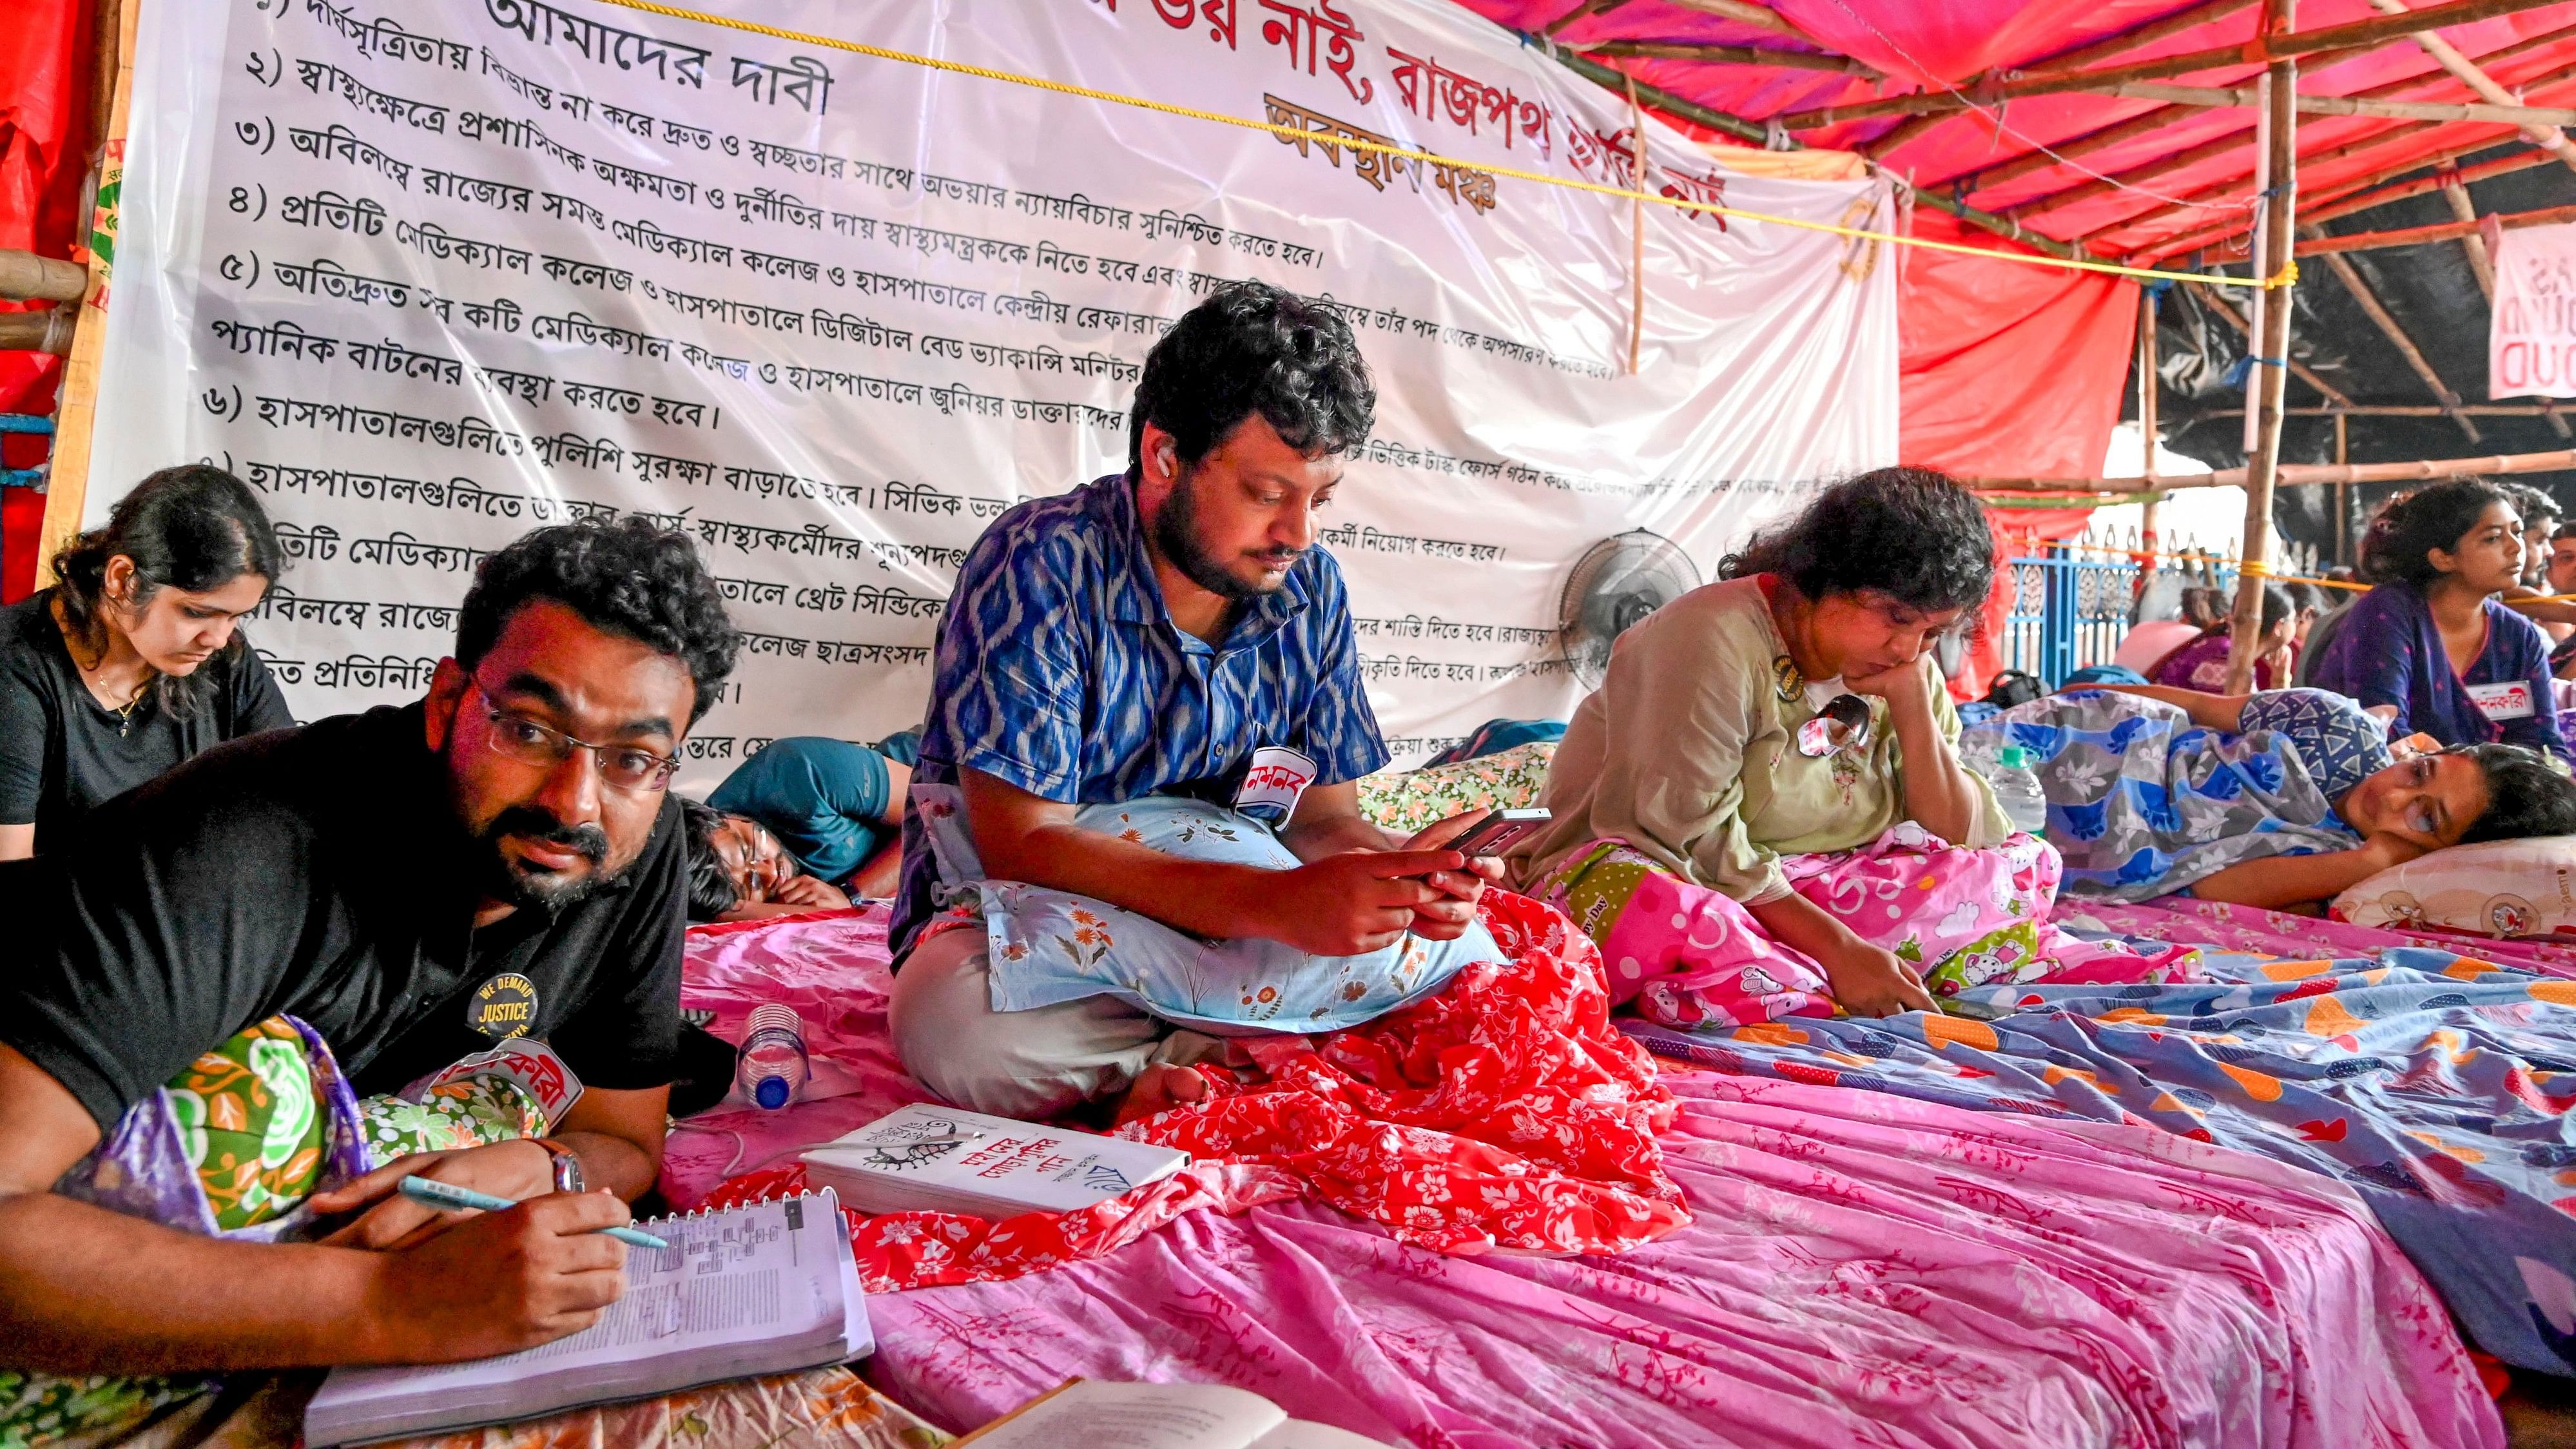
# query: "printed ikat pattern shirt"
{"type": "Point", "coordinates": [1059, 670]}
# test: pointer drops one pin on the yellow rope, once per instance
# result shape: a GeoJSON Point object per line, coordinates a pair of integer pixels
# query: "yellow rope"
{"type": "Point", "coordinates": [2288, 275]}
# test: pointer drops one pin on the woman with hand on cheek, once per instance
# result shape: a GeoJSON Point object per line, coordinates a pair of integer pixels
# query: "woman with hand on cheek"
{"type": "Point", "coordinates": [1789, 710]}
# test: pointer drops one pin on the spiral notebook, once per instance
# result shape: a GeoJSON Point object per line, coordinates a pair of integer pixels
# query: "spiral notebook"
{"type": "Point", "coordinates": [766, 1289]}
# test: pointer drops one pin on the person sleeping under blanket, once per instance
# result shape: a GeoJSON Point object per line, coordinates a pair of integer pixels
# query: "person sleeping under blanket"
{"type": "Point", "coordinates": [2282, 799]}
{"type": "Point", "coordinates": [1146, 723]}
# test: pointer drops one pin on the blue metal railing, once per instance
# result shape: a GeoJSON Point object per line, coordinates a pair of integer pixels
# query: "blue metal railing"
{"type": "Point", "coordinates": [2070, 609]}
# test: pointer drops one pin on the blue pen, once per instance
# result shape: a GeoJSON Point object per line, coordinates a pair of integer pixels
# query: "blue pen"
{"type": "Point", "coordinates": [448, 1197]}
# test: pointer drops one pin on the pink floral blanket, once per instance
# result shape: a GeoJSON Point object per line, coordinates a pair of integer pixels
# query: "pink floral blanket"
{"type": "Point", "coordinates": [1857, 1269]}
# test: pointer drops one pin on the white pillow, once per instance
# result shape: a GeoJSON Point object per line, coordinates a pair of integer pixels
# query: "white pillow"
{"type": "Point", "coordinates": [2497, 888]}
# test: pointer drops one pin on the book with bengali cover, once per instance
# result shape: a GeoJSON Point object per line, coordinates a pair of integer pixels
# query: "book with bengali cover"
{"type": "Point", "coordinates": [931, 1158]}
{"type": "Point", "coordinates": [766, 1289]}
{"type": "Point", "coordinates": [1101, 1414]}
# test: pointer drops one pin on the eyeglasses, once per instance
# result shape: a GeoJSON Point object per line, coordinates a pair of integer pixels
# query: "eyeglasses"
{"type": "Point", "coordinates": [1843, 724]}
{"type": "Point", "coordinates": [621, 767]}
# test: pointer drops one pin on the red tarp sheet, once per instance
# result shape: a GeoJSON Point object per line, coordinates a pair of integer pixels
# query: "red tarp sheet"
{"type": "Point", "coordinates": [45, 51]}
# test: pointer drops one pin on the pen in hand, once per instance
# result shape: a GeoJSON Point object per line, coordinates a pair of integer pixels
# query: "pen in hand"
{"type": "Point", "coordinates": [448, 1197]}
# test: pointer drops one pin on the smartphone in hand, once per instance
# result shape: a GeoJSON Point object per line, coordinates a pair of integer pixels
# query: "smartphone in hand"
{"type": "Point", "coordinates": [1499, 831]}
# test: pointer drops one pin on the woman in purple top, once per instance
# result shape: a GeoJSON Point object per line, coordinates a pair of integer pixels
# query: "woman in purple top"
{"type": "Point", "coordinates": [2201, 663]}
{"type": "Point", "coordinates": [2431, 641]}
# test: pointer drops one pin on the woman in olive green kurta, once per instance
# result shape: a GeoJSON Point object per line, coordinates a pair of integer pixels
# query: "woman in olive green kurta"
{"type": "Point", "coordinates": [1688, 762]}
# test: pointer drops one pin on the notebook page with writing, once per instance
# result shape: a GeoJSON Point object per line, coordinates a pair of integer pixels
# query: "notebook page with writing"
{"type": "Point", "coordinates": [1097, 1414]}
{"type": "Point", "coordinates": [762, 1289]}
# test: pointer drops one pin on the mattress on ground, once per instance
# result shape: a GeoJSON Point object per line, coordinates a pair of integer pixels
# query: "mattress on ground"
{"type": "Point", "coordinates": [1859, 1269]}
{"type": "Point", "coordinates": [2434, 1084]}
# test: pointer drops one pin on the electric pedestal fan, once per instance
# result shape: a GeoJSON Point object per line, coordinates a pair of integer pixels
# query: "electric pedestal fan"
{"type": "Point", "coordinates": [1617, 582]}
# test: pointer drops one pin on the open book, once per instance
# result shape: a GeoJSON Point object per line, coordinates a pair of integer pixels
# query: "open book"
{"type": "Point", "coordinates": [1096, 1414]}
{"type": "Point", "coordinates": [930, 1158]}
{"type": "Point", "coordinates": [765, 1289]}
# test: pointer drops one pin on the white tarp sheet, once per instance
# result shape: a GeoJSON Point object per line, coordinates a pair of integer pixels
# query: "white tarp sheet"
{"type": "Point", "coordinates": [428, 275]}
{"type": "Point", "coordinates": [2531, 344]}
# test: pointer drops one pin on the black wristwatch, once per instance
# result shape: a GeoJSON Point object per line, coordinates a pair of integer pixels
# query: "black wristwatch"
{"type": "Point", "coordinates": [568, 1174]}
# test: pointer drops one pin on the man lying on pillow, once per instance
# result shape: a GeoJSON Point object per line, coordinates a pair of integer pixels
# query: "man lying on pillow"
{"type": "Point", "coordinates": [2279, 799]}
{"type": "Point", "coordinates": [1147, 712]}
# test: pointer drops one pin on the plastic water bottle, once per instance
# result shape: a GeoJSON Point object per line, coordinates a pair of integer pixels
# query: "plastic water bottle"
{"type": "Point", "coordinates": [2017, 790]}
{"type": "Point", "coordinates": [772, 1066]}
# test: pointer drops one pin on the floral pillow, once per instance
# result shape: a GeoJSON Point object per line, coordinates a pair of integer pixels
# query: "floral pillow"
{"type": "Point", "coordinates": [1050, 946]}
{"type": "Point", "coordinates": [2496, 888]}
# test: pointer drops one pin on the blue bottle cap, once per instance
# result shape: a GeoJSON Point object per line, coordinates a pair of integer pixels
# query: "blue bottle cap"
{"type": "Point", "coordinates": [770, 1092]}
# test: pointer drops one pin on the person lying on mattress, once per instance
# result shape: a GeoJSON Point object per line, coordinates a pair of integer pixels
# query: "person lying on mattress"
{"type": "Point", "coordinates": [740, 871]}
{"type": "Point", "coordinates": [1791, 709]}
{"type": "Point", "coordinates": [391, 906]}
{"type": "Point", "coordinates": [2278, 799]}
{"type": "Point", "coordinates": [1135, 809]}
{"type": "Point", "coordinates": [833, 807]}
{"type": "Point", "coordinates": [2431, 647]}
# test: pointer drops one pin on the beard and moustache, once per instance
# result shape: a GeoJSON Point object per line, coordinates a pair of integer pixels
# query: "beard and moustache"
{"type": "Point", "coordinates": [1176, 536]}
{"type": "Point", "coordinates": [544, 890]}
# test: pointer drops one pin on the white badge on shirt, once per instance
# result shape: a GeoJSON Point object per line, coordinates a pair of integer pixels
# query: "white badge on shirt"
{"type": "Point", "coordinates": [1278, 777]}
{"type": "Point", "coordinates": [2509, 700]}
{"type": "Point", "coordinates": [531, 1064]}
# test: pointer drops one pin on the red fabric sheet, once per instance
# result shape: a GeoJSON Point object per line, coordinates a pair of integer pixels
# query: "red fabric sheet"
{"type": "Point", "coordinates": [1503, 1112]}
{"type": "Point", "coordinates": [1919, 45]}
{"type": "Point", "coordinates": [44, 122]}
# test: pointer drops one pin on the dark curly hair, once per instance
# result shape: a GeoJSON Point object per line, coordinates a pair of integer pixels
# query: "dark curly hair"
{"type": "Point", "coordinates": [1253, 348]}
{"type": "Point", "coordinates": [1912, 534]}
{"type": "Point", "coordinates": [191, 528]}
{"type": "Point", "coordinates": [2527, 795]}
{"type": "Point", "coordinates": [625, 577]}
{"type": "Point", "coordinates": [2410, 526]}
{"type": "Point", "coordinates": [711, 891]}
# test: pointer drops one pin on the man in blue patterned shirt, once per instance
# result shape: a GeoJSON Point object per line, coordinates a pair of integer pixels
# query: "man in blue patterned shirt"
{"type": "Point", "coordinates": [1151, 634]}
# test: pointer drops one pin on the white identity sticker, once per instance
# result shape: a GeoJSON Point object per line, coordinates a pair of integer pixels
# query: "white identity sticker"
{"type": "Point", "coordinates": [1272, 786]}
{"type": "Point", "coordinates": [2509, 700]}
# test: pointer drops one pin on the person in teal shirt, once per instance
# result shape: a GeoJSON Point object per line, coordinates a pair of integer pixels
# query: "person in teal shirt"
{"type": "Point", "coordinates": [832, 803]}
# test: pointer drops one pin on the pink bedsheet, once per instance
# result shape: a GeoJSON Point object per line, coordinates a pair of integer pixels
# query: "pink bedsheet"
{"type": "Point", "coordinates": [1861, 1269]}
{"type": "Point", "coordinates": [2278, 933]}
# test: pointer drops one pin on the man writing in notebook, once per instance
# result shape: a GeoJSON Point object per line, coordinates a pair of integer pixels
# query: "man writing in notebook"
{"type": "Point", "coordinates": [499, 862]}
{"type": "Point", "coordinates": [1172, 632]}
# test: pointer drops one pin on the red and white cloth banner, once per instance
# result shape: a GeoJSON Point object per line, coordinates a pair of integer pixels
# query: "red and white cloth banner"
{"type": "Point", "coordinates": [430, 275]}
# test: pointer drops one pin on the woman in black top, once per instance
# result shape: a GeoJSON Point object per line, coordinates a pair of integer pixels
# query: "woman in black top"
{"type": "Point", "coordinates": [132, 662]}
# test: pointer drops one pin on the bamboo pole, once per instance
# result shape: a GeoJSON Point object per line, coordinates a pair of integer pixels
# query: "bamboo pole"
{"type": "Point", "coordinates": [2129, 40]}
{"type": "Point", "coordinates": [67, 477]}
{"type": "Point", "coordinates": [2463, 209]}
{"type": "Point", "coordinates": [1737, 126]}
{"type": "Point", "coordinates": [2343, 492]}
{"type": "Point", "coordinates": [2379, 314]}
{"type": "Point", "coordinates": [2314, 44]}
{"type": "Point", "coordinates": [2439, 231]}
{"type": "Point", "coordinates": [1582, 12]}
{"type": "Point", "coordinates": [2546, 135]}
{"type": "Point", "coordinates": [2094, 142]}
{"type": "Point", "coordinates": [2402, 410]}
{"type": "Point", "coordinates": [2227, 313]}
{"type": "Point", "coordinates": [2280, 212]}
{"type": "Point", "coordinates": [1636, 228]}
{"type": "Point", "coordinates": [2220, 97]}
{"type": "Point", "coordinates": [2150, 388]}
{"type": "Point", "coordinates": [2296, 475]}
{"type": "Point", "coordinates": [27, 277]}
{"type": "Point", "coordinates": [1728, 55]}
{"type": "Point", "coordinates": [2357, 194]}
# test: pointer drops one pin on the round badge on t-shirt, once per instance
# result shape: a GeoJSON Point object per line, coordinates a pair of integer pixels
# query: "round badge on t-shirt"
{"type": "Point", "coordinates": [503, 1007]}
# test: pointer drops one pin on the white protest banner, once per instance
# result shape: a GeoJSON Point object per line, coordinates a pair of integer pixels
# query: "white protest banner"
{"type": "Point", "coordinates": [427, 276]}
{"type": "Point", "coordinates": [2531, 343]}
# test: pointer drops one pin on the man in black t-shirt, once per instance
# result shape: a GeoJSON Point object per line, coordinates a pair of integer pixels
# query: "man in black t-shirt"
{"type": "Point", "coordinates": [385, 878]}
